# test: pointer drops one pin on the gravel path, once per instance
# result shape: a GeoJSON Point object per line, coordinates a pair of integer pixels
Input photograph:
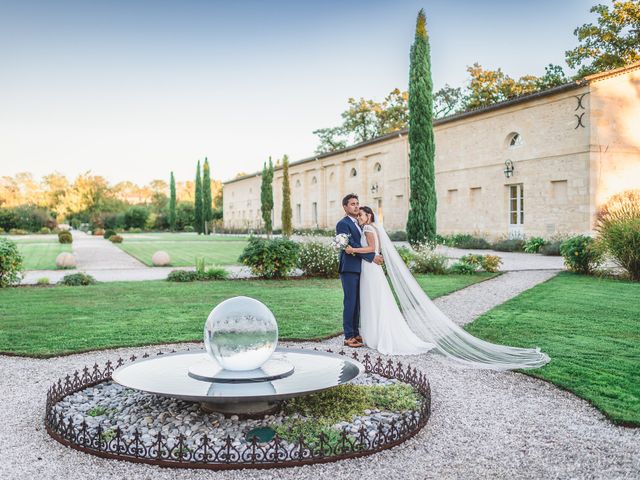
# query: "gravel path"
{"type": "Point", "coordinates": [484, 424]}
{"type": "Point", "coordinates": [96, 253]}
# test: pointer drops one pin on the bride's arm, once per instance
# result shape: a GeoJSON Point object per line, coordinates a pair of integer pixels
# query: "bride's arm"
{"type": "Point", "coordinates": [371, 242]}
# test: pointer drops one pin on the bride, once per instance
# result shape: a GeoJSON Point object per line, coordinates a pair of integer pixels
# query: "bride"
{"type": "Point", "coordinates": [418, 325]}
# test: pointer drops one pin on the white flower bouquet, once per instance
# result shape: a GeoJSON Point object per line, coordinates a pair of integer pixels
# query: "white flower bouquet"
{"type": "Point", "coordinates": [340, 242]}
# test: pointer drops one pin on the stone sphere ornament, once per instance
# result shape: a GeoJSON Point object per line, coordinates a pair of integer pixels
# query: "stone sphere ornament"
{"type": "Point", "coordinates": [65, 260]}
{"type": "Point", "coordinates": [241, 334]}
{"type": "Point", "coordinates": [160, 259]}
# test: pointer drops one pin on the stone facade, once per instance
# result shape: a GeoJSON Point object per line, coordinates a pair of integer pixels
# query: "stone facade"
{"type": "Point", "coordinates": [571, 148]}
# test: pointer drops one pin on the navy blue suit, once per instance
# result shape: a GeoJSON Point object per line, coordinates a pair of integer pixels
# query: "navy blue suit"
{"type": "Point", "coordinates": [350, 268]}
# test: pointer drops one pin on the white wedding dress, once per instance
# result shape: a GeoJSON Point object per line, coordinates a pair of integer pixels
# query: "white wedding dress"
{"type": "Point", "coordinates": [418, 325]}
{"type": "Point", "coordinates": [382, 325]}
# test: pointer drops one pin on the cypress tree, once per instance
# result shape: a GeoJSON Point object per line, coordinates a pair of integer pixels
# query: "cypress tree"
{"type": "Point", "coordinates": [198, 202]}
{"type": "Point", "coordinates": [207, 213]}
{"type": "Point", "coordinates": [287, 213]}
{"type": "Point", "coordinates": [172, 203]}
{"type": "Point", "coordinates": [266, 196]}
{"type": "Point", "coordinates": [421, 224]}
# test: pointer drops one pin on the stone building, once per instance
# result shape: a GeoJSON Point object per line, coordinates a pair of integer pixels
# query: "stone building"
{"type": "Point", "coordinates": [540, 164]}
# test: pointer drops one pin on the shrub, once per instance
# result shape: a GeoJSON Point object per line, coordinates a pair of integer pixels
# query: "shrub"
{"type": "Point", "coordinates": [2, 230]}
{"type": "Point", "coordinates": [426, 260]}
{"type": "Point", "coordinates": [43, 281]}
{"type": "Point", "coordinates": [215, 273]}
{"type": "Point", "coordinates": [77, 279]}
{"type": "Point", "coordinates": [398, 236]}
{"type": "Point", "coordinates": [108, 234]}
{"type": "Point", "coordinates": [551, 248]}
{"type": "Point", "coordinates": [406, 254]}
{"type": "Point", "coordinates": [317, 259]}
{"type": "Point", "coordinates": [18, 231]}
{"type": "Point", "coordinates": [98, 232]}
{"type": "Point", "coordinates": [509, 245]}
{"type": "Point", "coordinates": [491, 263]}
{"type": "Point", "coordinates": [136, 217]}
{"type": "Point", "coordinates": [470, 242]}
{"type": "Point", "coordinates": [65, 237]}
{"type": "Point", "coordinates": [580, 254]}
{"type": "Point", "coordinates": [270, 258]}
{"type": "Point", "coordinates": [534, 244]}
{"type": "Point", "coordinates": [135, 230]}
{"type": "Point", "coordinates": [462, 269]}
{"type": "Point", "coordinates": [10, 263]}
{"type": "Point", "coordinates": [182, 276]}
{"type": "Point", "coordinates": [32, 218]}
{"type": "Point", "coordinates": [115, 239]}
{"type": "Point", "coordinates": [45, 231]}
{"type": "Point", "coordinates": [618, 224]}
{"type": "Point", "coordinates": [188, 229]}
{"type": "Point", "coordinates": [8, 219]}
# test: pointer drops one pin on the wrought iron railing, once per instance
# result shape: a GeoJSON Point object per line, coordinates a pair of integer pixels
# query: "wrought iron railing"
{"type": "Point", "coordinates": [173, 451]}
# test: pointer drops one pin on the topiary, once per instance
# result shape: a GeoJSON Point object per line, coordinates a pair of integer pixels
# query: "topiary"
{"type": "Point", "coordinates": [65, 237]}
{"type": "Point", "coordinates": [77, 279]}
{"type": "Point", "coordinates": [98, 232]}
{"type": "Point", "coordinates": [108, 234]}
{"type": "Point", "coordinates": [45, 231]}
{"type": "Point", "coordinates": [115, 239]}
{"type": "Point", "coordinates": [10, 263]}
{"type": "Point", "coordinates": [580, 254]}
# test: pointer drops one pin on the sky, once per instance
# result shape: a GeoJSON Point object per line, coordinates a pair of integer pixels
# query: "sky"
{"type": "Point", "coordinates": [134, 89]}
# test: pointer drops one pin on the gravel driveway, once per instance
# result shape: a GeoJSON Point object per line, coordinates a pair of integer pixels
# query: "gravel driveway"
{"type": "Point", "coordinates": [484, 425]}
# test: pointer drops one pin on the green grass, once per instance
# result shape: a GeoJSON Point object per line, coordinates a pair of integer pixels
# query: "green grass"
{"type": "Point", "coordinates": [40, 252]}
{"type": "Point", "coordinates": [590, 328]}
{"type": "Point", "coordinates": [45, 322]}
{"type": "Point", "coordinates": [183, 248]}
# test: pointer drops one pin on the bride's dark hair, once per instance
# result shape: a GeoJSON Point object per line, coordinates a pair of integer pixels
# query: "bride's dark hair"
{"type": "Point", "coordinates": [368, 211]}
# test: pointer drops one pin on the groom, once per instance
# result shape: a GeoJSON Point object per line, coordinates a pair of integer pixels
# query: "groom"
{"type": "Point", "coordinates": [350, 268]}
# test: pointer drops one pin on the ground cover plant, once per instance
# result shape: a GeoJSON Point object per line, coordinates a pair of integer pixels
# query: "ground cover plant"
{"type": "Point", "coordinates": [39, 253]}
{"type": "Point", "coordinates": [108, 315]}
{"type": "Point", "coordinates": [589, 327]}
{"type": "Point", "coordinates": [183, 248]}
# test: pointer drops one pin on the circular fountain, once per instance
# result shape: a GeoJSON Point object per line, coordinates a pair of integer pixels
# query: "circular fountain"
{"type": "Point", "coordinates": [241, 371]}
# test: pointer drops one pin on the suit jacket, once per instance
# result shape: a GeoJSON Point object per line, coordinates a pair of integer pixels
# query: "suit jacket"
{"type": "Point", "coordinates": [352, 263]}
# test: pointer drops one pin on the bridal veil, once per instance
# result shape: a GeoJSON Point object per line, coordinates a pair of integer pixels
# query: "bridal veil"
{"type": "Point", "coordinates": [430, 324]}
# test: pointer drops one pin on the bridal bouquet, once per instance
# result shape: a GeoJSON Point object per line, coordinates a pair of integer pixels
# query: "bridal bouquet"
{"type": "Point", "coordinates": [340, 242]}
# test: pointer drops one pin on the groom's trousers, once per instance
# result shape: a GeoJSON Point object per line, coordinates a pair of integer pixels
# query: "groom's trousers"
{"type": "Point", "coordinates": [351, 307]}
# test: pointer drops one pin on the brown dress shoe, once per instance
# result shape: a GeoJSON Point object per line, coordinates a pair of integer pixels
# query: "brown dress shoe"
{"type": "Point", "coordinates": [359, 339]}
{"type": "Point", "coordinates": [353, 343]}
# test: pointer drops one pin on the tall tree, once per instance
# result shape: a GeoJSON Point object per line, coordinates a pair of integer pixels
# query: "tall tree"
{"type": "Point", "coordinates": [447, 101]}
{"type": "Point", "coordinates": [614, 42]}
{"type": "Point", "coordinates": [421, 224]}
{"type": "Point", "coordinates": [266, 196]}
{"type": "Point", "coordinates": [207, 214]}
{"type": "Point", "coordinates": [197, 204]}
{"type": "Point", "coordinates": [287, 213]}
{"type": "Point", "coordinates": [172, 203]}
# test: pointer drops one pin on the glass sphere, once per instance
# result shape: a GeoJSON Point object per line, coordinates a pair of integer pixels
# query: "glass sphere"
{"type": "Point", "coordinates": [241, 333]}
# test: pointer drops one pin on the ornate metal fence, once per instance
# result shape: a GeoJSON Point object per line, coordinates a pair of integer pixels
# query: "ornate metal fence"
{"type": "Point", "coordinates": [173, 451]}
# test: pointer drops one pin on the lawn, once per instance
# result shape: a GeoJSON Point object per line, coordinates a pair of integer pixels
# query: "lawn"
{"type": "Point", "coordinates": [49, 321]}
{"type": "Point", "coordinates": [40, 252]}
{"type": "Point", "coordinates": [590, 328]}
{"type": "Point", "coordinates": [183, 248]}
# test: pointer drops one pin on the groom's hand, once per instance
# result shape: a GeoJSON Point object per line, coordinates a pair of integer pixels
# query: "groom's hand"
{"type": "Point", "coordinates": [378, 260]}
{"type": "Point", "coordinates": [348, 250]}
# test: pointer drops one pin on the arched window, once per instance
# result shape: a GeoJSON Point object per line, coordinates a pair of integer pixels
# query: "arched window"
{"type": "Point", "coordinates": [377, 167]}
{"type": "Point", "coordinates": [514, 139]}
{"type": "Point", "coordinates": [314, 180]}
{"type": "Point", "coordinates": [353, 173]}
